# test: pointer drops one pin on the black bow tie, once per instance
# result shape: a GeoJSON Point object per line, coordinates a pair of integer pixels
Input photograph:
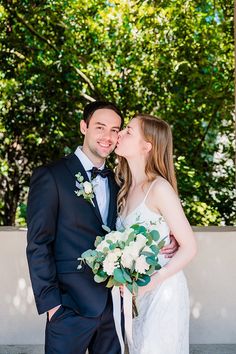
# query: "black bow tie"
{"type": "Point", "coordinates": [103, 173]}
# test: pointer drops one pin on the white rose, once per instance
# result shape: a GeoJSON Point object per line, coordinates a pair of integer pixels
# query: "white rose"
{"type": "Point", "coordinates": [109, 266]}
{"type": "Point", "coordinates": [114, 236]}
{"type": "Point", "coordinates": [141, 266]}
{"type": "Point", "coordinates": [111, 257]}
{"type": "Point", "coordinates": [126, 260]}
{"type": "Point", "coordinates": [134, 249]}
{"type": "Point", "coordinates": [117, 252]}
{"type": "Point", "coordinates": [126, 234]}
{"type": "Point", "coordinates": [102, 245]}
{"type": "Point", "coordinates": [141, 239]}
{"type": "Point", "coordinates": [87, 187]}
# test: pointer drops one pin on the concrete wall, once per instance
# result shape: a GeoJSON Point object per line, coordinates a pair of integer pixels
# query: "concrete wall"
{"type": "Point", "coordinates": [211, 278]}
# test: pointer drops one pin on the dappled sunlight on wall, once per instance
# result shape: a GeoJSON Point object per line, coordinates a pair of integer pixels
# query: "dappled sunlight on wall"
{"type": "Point", "coordinates": [212, 282]}
{"type": "Point", "coordinates": [21, 324]}
{"type": "Point", "coordinates": [22, 298]}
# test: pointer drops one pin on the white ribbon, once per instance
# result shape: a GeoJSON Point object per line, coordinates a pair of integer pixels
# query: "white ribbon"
{"type": "Point", "coordinates": [127, 305]}
{"type": "Point", "coordinates": [117, 315]}
{"type": "Point", "coordinates": [128, 315]}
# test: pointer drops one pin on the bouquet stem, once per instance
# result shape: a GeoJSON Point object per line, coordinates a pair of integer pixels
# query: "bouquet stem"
{"type": "Point", "coordinates": [134, 307]}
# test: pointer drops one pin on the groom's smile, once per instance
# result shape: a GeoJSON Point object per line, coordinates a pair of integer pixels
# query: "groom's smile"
{"type": "Point", "coordinates": [101, 134]}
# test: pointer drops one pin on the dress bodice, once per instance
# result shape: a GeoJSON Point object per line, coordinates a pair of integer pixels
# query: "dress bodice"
{"type": "Point", "coordinates": [152, 220]}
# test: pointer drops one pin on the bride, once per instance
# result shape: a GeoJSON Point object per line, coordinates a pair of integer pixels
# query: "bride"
{"type": "Point", "coordinates": [149, 196]}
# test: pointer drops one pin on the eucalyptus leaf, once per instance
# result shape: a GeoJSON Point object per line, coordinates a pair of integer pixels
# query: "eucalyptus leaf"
{"type": "Point", "coordinates": [161, 244]}
{"type": "Point", "coordinates": [151, 260]}
{"type": "Point", "coordinates": [106, 228]}
{"type": "Point", "coordinates": [143, 280]}
{"type": "Point", "coordinates": [99, 279]}
{"type": "Point", "coordinates": [158, 266]}
{"type": "Point", "coordinates": [126, 275]}
{"type": "Point", "coordinates": [110, 282]}
{"type": "Point", "coordinates": [118, 276]}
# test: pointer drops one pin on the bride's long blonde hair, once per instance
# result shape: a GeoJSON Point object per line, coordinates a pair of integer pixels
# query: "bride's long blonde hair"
{"type": "Point", "coordinates": [160, 160]}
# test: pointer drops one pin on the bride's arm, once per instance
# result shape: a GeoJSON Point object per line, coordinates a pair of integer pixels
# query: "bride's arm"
{"type": "Point", "coordinates": [167, 202]}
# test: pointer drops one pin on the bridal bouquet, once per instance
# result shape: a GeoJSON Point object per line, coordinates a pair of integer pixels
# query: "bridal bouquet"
{"type": "Point", "coordinates": [127, 257]}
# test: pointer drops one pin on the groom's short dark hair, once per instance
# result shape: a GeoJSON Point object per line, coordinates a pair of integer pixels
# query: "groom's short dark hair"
{"type": "Point", "coordinates": [90, 108]}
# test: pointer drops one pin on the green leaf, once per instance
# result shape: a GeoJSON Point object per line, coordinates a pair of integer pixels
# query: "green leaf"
{"type": "Point", "coordinates": [155, 235]}
{"type": "Point", "coordinates": [126, 275]}
{"type": "Point", "coordinates": [155, 249]}
{"type": "Point", "coordinates": [149, 239]}
{"type": "Point", "coordinates": [99, 279]}
{"type": "Point", "coordinates": [89, 253]}
{"type": "Point", "coordinates": [151, 260]}
{"type": "Point", "coordinates": [130, 238]}
{"type": "Point", "coordinates": [161, 244]}
{"type": "Point", "coordinates": [98, 240]}
{"type": "Point", "coordinates": [101, 273]}
{"type": "Point", "coordinates": [110, 282]}
{"type": "Point", "coordinates": [150, 270]}
{"type": "Point", "coordinates": [121, 244]}
{"type": "Point", "coordinates": [118, 276]}
{"type": "Point", "coordinates": [139, 229]}
{"type": "Point", "coordinates": [147, 254]}
{"type": "Point", "coordinates": [143, 280]}
{"type": "Point", "coordinates": [106, 228]}
{"type": "Point", "coordinates": [158, 266]}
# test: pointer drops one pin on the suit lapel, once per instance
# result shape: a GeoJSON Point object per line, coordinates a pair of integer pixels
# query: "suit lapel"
{"type": "Point", "coordinates": [74, 165]}
{"type": "Point", "coordinates": [113, 200]}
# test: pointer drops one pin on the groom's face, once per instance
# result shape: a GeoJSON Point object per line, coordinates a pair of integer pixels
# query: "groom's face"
{"type": "Point", "coordinates": [101, 134]}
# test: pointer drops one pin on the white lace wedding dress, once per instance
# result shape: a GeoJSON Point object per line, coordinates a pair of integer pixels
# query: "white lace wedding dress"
{"type": "Point", "coordinates": [162, 326]}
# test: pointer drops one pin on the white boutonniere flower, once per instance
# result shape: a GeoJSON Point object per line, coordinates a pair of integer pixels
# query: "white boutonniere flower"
{"type": "Point", "coordinates": [84, 188]}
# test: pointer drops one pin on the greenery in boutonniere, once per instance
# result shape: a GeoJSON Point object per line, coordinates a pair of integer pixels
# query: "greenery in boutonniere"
{"type": "Point", "coordinates": [84, 188]}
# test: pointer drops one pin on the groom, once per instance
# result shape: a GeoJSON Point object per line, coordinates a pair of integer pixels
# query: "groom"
{"type": "Point", "coordinates": [61, 226]}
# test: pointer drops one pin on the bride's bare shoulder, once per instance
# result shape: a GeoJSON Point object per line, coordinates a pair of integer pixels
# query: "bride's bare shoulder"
{"type": "Point", "coordinates": [162, 187]}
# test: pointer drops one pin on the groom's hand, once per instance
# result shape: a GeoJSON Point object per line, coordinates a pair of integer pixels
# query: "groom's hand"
{"type": "Point", "coordinates": [170, 250]}
{"type": "Point", "coordinates": [52, 311]}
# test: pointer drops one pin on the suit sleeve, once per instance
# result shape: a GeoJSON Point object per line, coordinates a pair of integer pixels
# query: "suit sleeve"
{"type": "Point", "coordinates": [42, 213]}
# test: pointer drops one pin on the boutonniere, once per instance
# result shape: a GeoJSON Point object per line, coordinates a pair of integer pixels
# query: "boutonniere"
{"type": "Point", "coordinates": [85, 188]}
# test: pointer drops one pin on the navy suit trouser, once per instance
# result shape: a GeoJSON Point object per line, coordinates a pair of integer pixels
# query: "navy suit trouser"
{"type": "Point", "coordinates": [69, 333]}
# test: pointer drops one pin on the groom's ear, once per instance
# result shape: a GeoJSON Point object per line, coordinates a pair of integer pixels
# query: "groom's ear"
{"type": "Point", "coordinates": [83, 127]}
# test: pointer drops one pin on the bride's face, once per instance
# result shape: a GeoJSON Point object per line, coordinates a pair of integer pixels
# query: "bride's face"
{"type": "Point", "coordinates": [130, 141]}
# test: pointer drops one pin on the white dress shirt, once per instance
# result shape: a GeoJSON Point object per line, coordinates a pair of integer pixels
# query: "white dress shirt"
{"type": "Point", "coordinates": [100, 184]}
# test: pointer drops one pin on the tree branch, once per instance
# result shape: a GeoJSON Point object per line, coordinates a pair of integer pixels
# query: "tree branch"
{"type": "Point", "coordinates": [207, 129]}
{"type": "Point", "coordinates": [48, 42]}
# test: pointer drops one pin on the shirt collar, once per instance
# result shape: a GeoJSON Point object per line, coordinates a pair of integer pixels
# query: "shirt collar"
{"type": "Point", "coordinates": [86, 162]}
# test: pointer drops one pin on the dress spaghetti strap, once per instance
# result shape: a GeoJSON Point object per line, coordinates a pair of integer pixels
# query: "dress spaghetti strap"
{"type": "Point", "coordinates": [150, 187]}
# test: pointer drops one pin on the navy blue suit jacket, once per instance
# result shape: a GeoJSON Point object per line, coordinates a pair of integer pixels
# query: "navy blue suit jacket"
{"type": "Point", "coordinates": [61, 226]}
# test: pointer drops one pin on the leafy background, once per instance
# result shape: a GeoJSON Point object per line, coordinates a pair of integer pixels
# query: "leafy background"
{"type": "Point", "coordinates": [173, 59]}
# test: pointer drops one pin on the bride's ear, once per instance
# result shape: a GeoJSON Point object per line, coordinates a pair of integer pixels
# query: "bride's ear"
{"type": "Point", "coordinates": [148, 146]}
